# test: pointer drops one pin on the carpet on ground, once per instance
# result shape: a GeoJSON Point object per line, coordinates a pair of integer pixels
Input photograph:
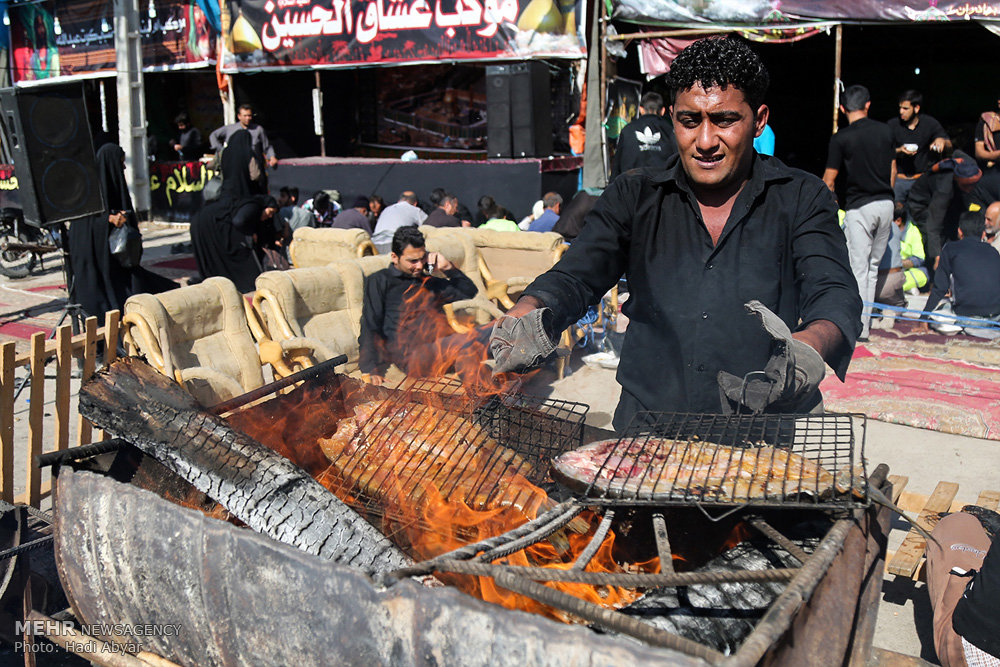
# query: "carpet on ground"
{"type": "Point", "coordinates": [908, 338]}
{"type": "Point", "coordinates": [915, 390]}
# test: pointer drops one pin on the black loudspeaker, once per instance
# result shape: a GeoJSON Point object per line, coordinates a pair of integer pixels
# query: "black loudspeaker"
{"type": "Point", "coordinates": [518, 110]}
{"type": "Point", "coordinates": [499, 142]}
{"type": "Point", "coordinates": [49, 138]}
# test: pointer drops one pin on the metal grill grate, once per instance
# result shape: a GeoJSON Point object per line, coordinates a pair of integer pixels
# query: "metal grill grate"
{"type": "Point", "coordinates": [432, 438]}
{"type": "Point", "coordinates": [761, 460]}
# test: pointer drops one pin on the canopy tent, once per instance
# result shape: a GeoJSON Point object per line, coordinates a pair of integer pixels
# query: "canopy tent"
{"type": "Point", "coordinates": [659, 26]}
{"type": "Point", "coordinates": [768, 14]}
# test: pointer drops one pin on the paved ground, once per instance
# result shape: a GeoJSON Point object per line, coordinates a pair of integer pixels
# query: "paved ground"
{"type": "Point", "coordinates": [35, 303]}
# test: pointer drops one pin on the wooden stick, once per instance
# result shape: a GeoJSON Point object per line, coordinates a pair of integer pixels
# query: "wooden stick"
{"type": "Point", "coordinates": [112, 331]}
{"type": "Point", "coordinates": [64, 366]}
{"type": "Point", "coordinates": [83, 427]}
{"type": "Point", "coordinates": [36, 412]}
{"type": "Point", "coordinates": [7, 421]}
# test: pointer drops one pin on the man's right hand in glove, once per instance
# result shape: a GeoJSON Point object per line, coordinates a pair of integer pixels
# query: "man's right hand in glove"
{"type": "Point", "coordinates": [523, 337]}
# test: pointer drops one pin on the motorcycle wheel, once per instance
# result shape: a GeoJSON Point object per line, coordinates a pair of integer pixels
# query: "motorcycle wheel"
{"type": "Point", "coordinates": [15, 263]}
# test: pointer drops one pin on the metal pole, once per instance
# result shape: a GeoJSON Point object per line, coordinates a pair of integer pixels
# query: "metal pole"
{"type": "Point", "coordinates": [604, 90]}
{"type": "Point", "coordinates": [318, 109]}
{"type": "Point", "coordinates": [131, 101]}
{"type": "Point", "coordinates": [836, 75]}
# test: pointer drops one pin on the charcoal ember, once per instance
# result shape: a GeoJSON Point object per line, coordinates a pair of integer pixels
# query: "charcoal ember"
{"type": "Point", "coordinates": [718, 616]}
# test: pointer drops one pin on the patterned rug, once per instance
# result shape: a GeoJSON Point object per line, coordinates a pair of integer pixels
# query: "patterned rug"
{"type": "Point", "coordinates": [938, 394]}
{"type": "Point", "coordinates": [908, 338]}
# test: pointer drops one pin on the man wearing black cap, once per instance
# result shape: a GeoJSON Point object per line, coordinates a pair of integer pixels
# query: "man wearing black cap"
{"type": "Point", "coordinates": [354, 217]}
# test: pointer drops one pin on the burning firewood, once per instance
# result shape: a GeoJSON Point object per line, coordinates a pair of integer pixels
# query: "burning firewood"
{"type": "Point", "coordinates": [260, 487]}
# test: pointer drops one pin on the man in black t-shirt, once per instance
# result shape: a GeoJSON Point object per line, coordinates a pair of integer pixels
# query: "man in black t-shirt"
{"type": "Point", "coordinates": [865, 150]}
{"type": "Point", "coordinates": [648, 141]}
{"type": "Point", "coordinates": [920, 141]}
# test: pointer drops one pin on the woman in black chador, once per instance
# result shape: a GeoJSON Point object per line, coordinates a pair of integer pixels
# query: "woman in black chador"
{"type": "Point", "coordinates": [228, 234]}
{"type": "Point", "coordinates": [98, 282]}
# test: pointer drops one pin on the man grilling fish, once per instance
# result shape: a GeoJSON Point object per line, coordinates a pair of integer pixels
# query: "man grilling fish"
{"type": "Point", "coordinates": [726, 253]}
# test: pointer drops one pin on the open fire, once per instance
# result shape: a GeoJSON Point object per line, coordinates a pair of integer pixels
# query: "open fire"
{"type": "Point", "coordinates": [433, 480]}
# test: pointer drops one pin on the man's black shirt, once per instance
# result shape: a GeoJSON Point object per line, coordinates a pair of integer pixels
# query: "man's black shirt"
{"type": "Point", "coordinates": [971, 269]}
{"type": "Point", "coordinates": [781, 245]}
{"type": "Point", "coordinates": [864, 150]}
{"type": "Point", "coordinates": [383, 322]}
{"type": "Point", "coordinates": [438, 218]}
{"type": "Point", "coordinates": [927, 130]}
{"type": "Point", "coordinates": [648, 141]}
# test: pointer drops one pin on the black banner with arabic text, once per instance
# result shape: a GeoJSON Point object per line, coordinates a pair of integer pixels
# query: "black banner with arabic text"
{"type": "Point", "coordinates": [270, 34]}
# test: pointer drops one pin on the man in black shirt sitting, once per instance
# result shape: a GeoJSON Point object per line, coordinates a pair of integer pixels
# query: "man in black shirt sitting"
{"type": "Point", "coordinates": [401, 314]}
{"type": "Point", "coordinates": [920, 142]}
{"type": "Point", "coordinates": [970, 269]}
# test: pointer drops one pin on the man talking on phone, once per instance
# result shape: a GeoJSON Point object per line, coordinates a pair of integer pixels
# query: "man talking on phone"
{"type": "Point", "coordinates": [401, 313]}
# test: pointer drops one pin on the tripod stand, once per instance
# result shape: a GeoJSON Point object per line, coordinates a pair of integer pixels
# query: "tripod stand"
{"type": "Point", "coordinates": [72, 310]}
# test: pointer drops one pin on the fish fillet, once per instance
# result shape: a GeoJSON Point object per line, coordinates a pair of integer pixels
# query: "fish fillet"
{"type": "Point", "coordinates": [400, 449]}
{"type": "Point", "coordinates": [666, 469]}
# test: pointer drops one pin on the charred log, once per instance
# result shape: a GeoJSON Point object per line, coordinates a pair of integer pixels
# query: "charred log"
{"type": "Point", "coordinates": [259, 487]}
{"type": "Point", "coordinates": [721, 616]}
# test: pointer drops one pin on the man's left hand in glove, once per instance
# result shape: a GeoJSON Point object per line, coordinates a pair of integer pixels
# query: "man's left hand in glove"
{"type": "Point", "coordinates": [789, 380]}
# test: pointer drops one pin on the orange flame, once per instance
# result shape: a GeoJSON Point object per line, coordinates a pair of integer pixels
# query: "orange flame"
{"type": "Point", "coordinates": [432, 348]}
{"type": "Point", "coordinates": [437, 525]}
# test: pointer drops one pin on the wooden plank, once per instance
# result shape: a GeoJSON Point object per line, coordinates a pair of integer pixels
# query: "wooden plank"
{"type": "Point", "coordinates": [36, 413]}
{"type": "Point", "coordinates": [7, 421]}
{"type": "Point", "coordinates": [912, 501]}
{"type": "Point", "coordinates": [899, 483]}
{"type": "Point", "coordinates": [907, 558]}
{"type": "Point", "coordinates": [83, 426]}
{"type": "Point", "coordinates": [77, 344]}
{"type": "Point", "coordinates": [988, 499]}
{"type": "Point", "coordinates": [45, 492]}
{"type": "Point", "coordinates": [64, 366]}
{"type": "Point", "coordinates": [112, 331]}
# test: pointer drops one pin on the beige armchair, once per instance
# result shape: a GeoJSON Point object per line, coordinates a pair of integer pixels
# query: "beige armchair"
{"type": "Point", "coordinates": [312, 246]}
{"type": "Point", "coordinates": [311, 309]}
{"type": "Point", "coordinates": [200, 336]}
{"type": "Point", "coordinates": [509, 261]}
{"type": "Point", "coordinates": [459, 249]}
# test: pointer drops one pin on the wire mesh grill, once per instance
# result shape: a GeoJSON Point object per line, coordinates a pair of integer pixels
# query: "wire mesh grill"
{"type": "Point", "coordinates": [761, 460]}
{"type": "Point", "coordinates": [431, 440]}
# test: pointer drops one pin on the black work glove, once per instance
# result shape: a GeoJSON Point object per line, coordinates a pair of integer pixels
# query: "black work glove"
{"type": "Point", "coordinates": [793, 372]}
{"type": "Point", "coordinates": [521, 343]}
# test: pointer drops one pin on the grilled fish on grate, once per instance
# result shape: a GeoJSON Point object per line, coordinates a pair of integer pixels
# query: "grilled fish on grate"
{"type": "Point", "coordinates": [388, 448]}
{"type": "Point", "coordinates": [667, 469]}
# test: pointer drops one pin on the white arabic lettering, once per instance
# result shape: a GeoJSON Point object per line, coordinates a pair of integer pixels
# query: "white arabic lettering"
{"type": "Point", "coordinates": [289, 22]}
{"type": "Point", "coordinates": [318, 21]}
{"type": "Point", "coordinates": [467, 12]}
{"type": "Point", "coordinates": [967, 10]}
{"type": "Point", "coordinates": [496, 11]}
{"type": "Point", "coordinates": [367, 27]}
